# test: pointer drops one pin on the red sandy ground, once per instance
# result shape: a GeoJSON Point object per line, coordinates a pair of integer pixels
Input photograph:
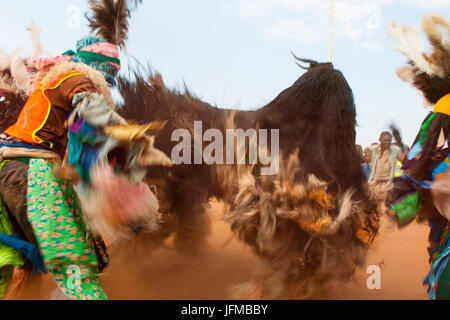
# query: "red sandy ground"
{"type": "Point", "coordinates": [166, 274]}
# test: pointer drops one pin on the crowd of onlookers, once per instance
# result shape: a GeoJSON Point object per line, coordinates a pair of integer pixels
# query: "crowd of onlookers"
{"type": "Point", "coordinates": [366, 158]}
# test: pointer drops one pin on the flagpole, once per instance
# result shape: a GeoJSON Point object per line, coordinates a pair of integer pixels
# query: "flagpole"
{"type": "Point", "coordinates": [331, 31]}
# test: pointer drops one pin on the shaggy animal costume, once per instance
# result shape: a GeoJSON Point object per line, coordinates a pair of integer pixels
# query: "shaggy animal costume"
{"type": "Point", "coordinates": [421, 193]}
{"type": "Point", "coordinates": [310, 223]}
{"type": "Point", "coordinates": [70, 115]}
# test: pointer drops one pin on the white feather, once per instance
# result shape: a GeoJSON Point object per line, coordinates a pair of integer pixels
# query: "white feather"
{"type": "Point", "coordinates": [5, 60]}
{"type": "Point", "coordinates": [36, 45]}
{"type": "Point", "coordinates": [409, 43]}
{"type": "Point", "coordinates": [20, 74]}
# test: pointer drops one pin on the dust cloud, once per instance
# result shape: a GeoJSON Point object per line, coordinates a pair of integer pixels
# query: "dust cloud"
{"type": "Point", "coordinates": [144, 270]}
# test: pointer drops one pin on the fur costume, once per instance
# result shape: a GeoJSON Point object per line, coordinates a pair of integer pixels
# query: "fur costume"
{"type": "Point", "coordinates": [419, 193]}
{"type": "Point", "coordinates": [310, 223]}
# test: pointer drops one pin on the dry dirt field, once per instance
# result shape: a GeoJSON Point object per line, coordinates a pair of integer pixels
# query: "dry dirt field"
{"type": "Point", "coordinates": [163, 273]}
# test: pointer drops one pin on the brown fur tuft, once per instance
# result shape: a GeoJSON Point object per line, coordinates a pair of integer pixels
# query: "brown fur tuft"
{"type": "Point", "coordinates": [109, 19]}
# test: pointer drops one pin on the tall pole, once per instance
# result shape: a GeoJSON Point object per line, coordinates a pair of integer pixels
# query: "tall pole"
{"type": "Point", "coordinates": [331, 31]}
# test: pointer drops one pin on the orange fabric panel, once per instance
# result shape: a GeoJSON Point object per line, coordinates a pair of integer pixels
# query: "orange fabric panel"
{"type": "Point", "coordinates": [35, 114]}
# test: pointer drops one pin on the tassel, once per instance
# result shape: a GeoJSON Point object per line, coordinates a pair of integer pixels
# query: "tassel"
{"type": "Point", "coordinates": [29, 250]}
{"type": "Point", "coordinates": [114, 204]}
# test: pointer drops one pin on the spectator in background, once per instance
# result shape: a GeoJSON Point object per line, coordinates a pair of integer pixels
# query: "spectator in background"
{"type": "Point", "coordinates": [367, 162]}
{"type": "Point", "coordinates": [384, 160]}
{"type": "Point", "coordinates": [368, 155]}
{"type": "Point", "coordinates": [364, 165]}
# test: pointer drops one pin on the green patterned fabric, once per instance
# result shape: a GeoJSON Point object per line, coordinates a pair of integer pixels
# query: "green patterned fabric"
{"type": "Point", "coordinates": [9, 258]}
{"type": "Point", "coordinates": [424, 129]}
{"type": "Point", "coordinates": [66, 244]}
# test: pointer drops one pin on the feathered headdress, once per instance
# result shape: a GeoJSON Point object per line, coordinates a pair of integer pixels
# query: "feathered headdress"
{"type": "Point", "coordinates": [109, 19]}
{"type": "Point", "coordinates": [15, 74]}
{"type": "Point", "coordinates": [410, 44]}
{"type": "Point", "coordinates": [430, 73]}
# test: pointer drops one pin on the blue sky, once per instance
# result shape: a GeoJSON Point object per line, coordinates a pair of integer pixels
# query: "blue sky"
{"type": "Point", "coordinates": [237, 53]}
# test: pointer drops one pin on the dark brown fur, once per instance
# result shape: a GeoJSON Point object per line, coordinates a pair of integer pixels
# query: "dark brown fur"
{"type": "Point", "coordinates": [433, 87]}
{"type": "Point", "coordinates": [316, 116]}
{"type": "Point", "coordinates": [10, 108]}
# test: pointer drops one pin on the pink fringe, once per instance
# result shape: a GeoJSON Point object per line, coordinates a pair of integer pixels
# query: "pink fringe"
{"type": "Point", "coordinates": [117, 202]}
